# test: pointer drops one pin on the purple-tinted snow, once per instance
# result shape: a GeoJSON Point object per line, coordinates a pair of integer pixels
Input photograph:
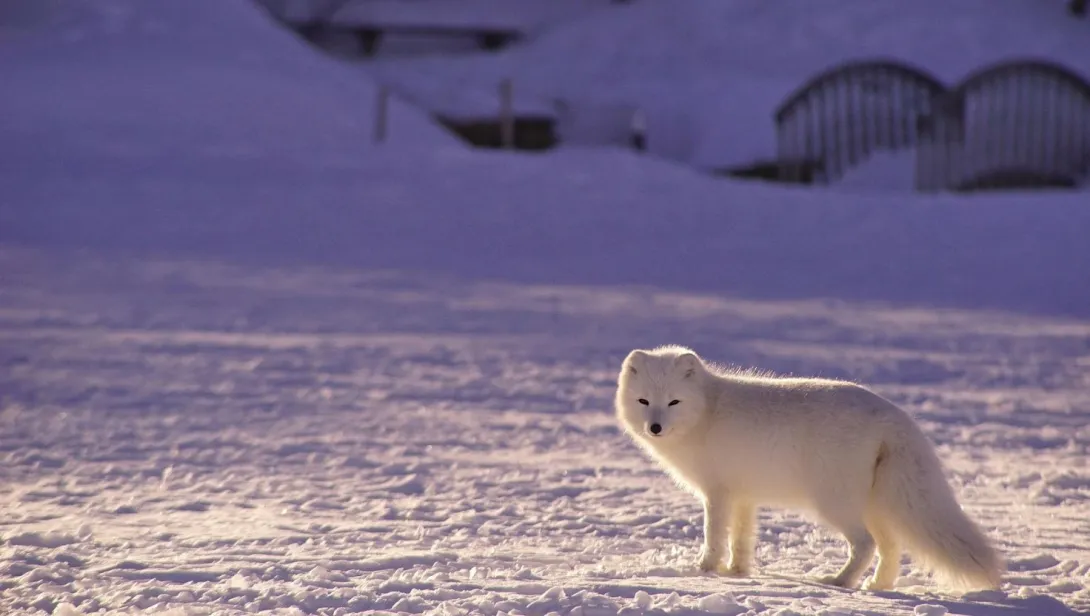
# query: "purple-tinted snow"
{"type": "Point", "coordinates": [251, 362]}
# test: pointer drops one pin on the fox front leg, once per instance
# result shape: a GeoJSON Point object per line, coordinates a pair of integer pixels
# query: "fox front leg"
{"type": "Point", "coordinates": [716, 519]}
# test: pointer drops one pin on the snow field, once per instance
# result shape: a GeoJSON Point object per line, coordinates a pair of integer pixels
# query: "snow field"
{"type": "Point", "coordinates": [198, 436]}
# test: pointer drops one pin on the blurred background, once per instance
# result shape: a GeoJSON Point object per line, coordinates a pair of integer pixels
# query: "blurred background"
{"type": "Point", "coordinates": [778, 149]}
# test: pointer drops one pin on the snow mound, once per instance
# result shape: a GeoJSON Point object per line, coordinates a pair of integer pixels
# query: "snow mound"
{"type": "Point", "coordinates": [48, 540]}
{"type": "Point", "coordinates": [66, 609]}
{"type": "Point", "coordinates": [571, 217]}
{"type": "Point", "coordinates": [706, 39]}
{"type": "Point", "coordinates": [150, 77]}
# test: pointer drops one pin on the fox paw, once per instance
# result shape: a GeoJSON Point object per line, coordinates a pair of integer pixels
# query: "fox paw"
{"type": "Point", "coordinates": [735, 570]}
{"type": "Point", "coordinates": [873, 586]}
{"type": "Point", "coordinates": [708, 566]}
{"type": "Point", "coordinates": [709, 561]}
{"type": "Point", "coordinates": [834, 580]}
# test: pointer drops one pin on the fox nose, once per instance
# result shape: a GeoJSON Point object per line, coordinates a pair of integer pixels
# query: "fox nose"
{"type": "Point", "coordinates": [655, 429]}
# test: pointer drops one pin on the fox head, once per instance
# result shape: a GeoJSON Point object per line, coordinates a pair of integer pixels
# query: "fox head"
{"type": "Point", "coordinates": [660, 393]}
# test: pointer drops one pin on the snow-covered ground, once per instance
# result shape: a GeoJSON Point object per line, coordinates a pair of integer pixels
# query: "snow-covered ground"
{"type": "Point", "coordinates": [194, 435]}
{"type": "Point", "coordinates": [250, 361]}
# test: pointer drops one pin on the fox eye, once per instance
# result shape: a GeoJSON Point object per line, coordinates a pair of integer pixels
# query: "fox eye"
{"type": "Point", "coordinates": [642, 401]}
{"type": "Point", "coordinates": [674, 402]}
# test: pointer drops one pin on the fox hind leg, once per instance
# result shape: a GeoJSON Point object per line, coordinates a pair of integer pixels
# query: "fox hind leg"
{"type": "Point", "coordinates": [861, 548]}
{"type": "Point", "coordinates": [889, 555]}
{"type": "Point", "coordinates": [846, 516]}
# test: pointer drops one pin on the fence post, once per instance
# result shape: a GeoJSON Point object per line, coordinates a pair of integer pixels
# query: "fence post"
{"type": "Point", "coordinates": [507, 114]}
{"type": "Point", "coordinates": [951, 137]}
{"type": "Point", "coordinates": [382, 104]}
{"type": "Point", "coordinates": [925, 153]}
{"type": "Point", "coordinates": [639, 130]}
{"type": "Point", "coordinates": [941, 159]}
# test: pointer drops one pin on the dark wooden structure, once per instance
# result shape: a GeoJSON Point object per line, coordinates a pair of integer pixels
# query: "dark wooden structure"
{"type": "Point", "coordinates": [369, 31]}
{"type": "Point", "coordinates": [799, 171]}
{"type": "Point", "coordinates": [1023, 123]}
{"type": "Point", "coordinates": [531, 132]}
{"type": "Point", "coordinates": [370, 35]}
{"type": "Point", "coordinates": [1014, 179]}
{"type": "Point", "coordinates": [836, 119]}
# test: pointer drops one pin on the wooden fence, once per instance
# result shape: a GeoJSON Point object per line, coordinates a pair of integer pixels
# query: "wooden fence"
{"type": "Point", "coordinates": [1016, 123]}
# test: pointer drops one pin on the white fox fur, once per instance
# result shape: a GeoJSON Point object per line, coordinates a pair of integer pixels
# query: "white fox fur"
{"type": "Point", "coordinates": [837, 449]}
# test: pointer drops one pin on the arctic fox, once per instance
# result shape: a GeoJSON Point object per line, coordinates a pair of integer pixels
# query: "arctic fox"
{"type": "Point", "coordinates": [739, 441]}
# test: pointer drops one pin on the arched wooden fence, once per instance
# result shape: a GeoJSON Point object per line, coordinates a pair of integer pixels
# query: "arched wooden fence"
{"type": "Point", "coordinates": [1028, 119]}
{"type": "Point", "coordinates": [1017, 123]}
{"type": "Point", "coordinates": [838, 118]}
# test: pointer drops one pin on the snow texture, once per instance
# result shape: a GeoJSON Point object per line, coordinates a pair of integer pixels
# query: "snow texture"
{"type": "Point", "coordinates": [252, 362]}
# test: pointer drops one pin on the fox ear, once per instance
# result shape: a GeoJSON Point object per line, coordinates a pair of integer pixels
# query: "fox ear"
{"type": "Point", "coordinates": [634, 361]}
{"type": "Point", "coordinates": [689, 363]}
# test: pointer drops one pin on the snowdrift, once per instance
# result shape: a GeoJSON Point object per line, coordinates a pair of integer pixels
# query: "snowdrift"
{"type": "Point", "coordinates": [579, 217]}
{"type": "Point", "coordinates": [154, 77]}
